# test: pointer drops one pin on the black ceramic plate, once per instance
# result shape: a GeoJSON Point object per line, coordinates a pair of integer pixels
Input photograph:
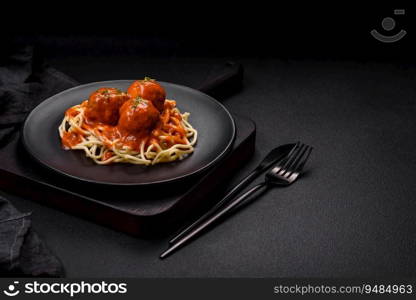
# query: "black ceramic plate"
{"type": "Point", "coordinates": [216, 132]}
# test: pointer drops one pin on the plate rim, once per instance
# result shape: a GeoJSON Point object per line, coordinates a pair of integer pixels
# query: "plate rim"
{"type": "Point", "coordinates": [99, 182]}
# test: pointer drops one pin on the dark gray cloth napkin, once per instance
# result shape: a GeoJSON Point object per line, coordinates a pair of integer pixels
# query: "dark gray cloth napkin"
{"type": "Point", "coordinates": [22, 252]}
{"type": "Point", "coordinates": [25, 81]}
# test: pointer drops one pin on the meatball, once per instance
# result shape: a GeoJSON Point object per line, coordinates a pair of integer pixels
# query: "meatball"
{"type": "Point", "coordinates": [104, 104]}
{"type": "Point", "coordinates": [138, 115]}
{"type": "Point", "coordinates": [150, 90]}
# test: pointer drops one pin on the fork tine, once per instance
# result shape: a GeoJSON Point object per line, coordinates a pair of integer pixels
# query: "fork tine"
{"type": "Point", "coordinates": [302, 164]}
{"type": "Point", "coordinates": [291, 160]}
{"type": "Point", "coordinates": [279, 167]}
{"type": "Point", "coordinates": [300, 161]}
{"type": "Point", "coordinates": [297, 158]}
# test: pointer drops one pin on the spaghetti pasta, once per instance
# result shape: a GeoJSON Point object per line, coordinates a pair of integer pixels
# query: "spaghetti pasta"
{"type": "Point", "coordinates": [139, 134]}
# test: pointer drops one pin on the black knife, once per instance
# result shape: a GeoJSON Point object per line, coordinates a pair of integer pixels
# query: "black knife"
{"type": "Point", "coordinates": [273, 157]}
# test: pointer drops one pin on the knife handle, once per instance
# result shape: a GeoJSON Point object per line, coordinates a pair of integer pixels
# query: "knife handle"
{"type": "Point", "coordinates": [227, 81]}
{"type": "Point", "coordinates": [216, 216]}
{"type": "Point", "coordinates": [243, 183]}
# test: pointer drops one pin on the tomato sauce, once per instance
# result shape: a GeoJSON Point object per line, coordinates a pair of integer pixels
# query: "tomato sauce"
{"type": "Point", "coordinates": [129, 119]}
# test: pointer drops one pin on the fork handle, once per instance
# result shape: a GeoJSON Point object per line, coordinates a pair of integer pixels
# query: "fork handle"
{"type": "Point", "coordinates": [208, 222]}
{"type": "Point", "coordinates": [243, 183]}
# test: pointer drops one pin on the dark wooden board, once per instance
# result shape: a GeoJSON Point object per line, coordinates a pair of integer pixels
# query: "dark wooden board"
{"type": "Point", "coordinates": [142, 211]}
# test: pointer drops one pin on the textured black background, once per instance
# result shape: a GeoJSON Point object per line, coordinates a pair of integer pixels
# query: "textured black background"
{"type": "Point", "coordinates": [311, 75]}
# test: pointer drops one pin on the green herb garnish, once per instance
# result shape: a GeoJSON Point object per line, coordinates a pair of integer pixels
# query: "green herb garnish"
{"type": "Point", "coordinates": [137, 101]}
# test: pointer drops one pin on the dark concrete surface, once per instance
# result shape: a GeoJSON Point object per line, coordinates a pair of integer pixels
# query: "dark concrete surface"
{"type": "Point", "coordinates": [352, 214]}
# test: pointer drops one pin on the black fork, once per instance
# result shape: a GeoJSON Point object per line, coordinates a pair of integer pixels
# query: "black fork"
{"type": "Point", "coordinates": [289, 169]}
{"type": "Point", "coordinates": [283, 174]}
